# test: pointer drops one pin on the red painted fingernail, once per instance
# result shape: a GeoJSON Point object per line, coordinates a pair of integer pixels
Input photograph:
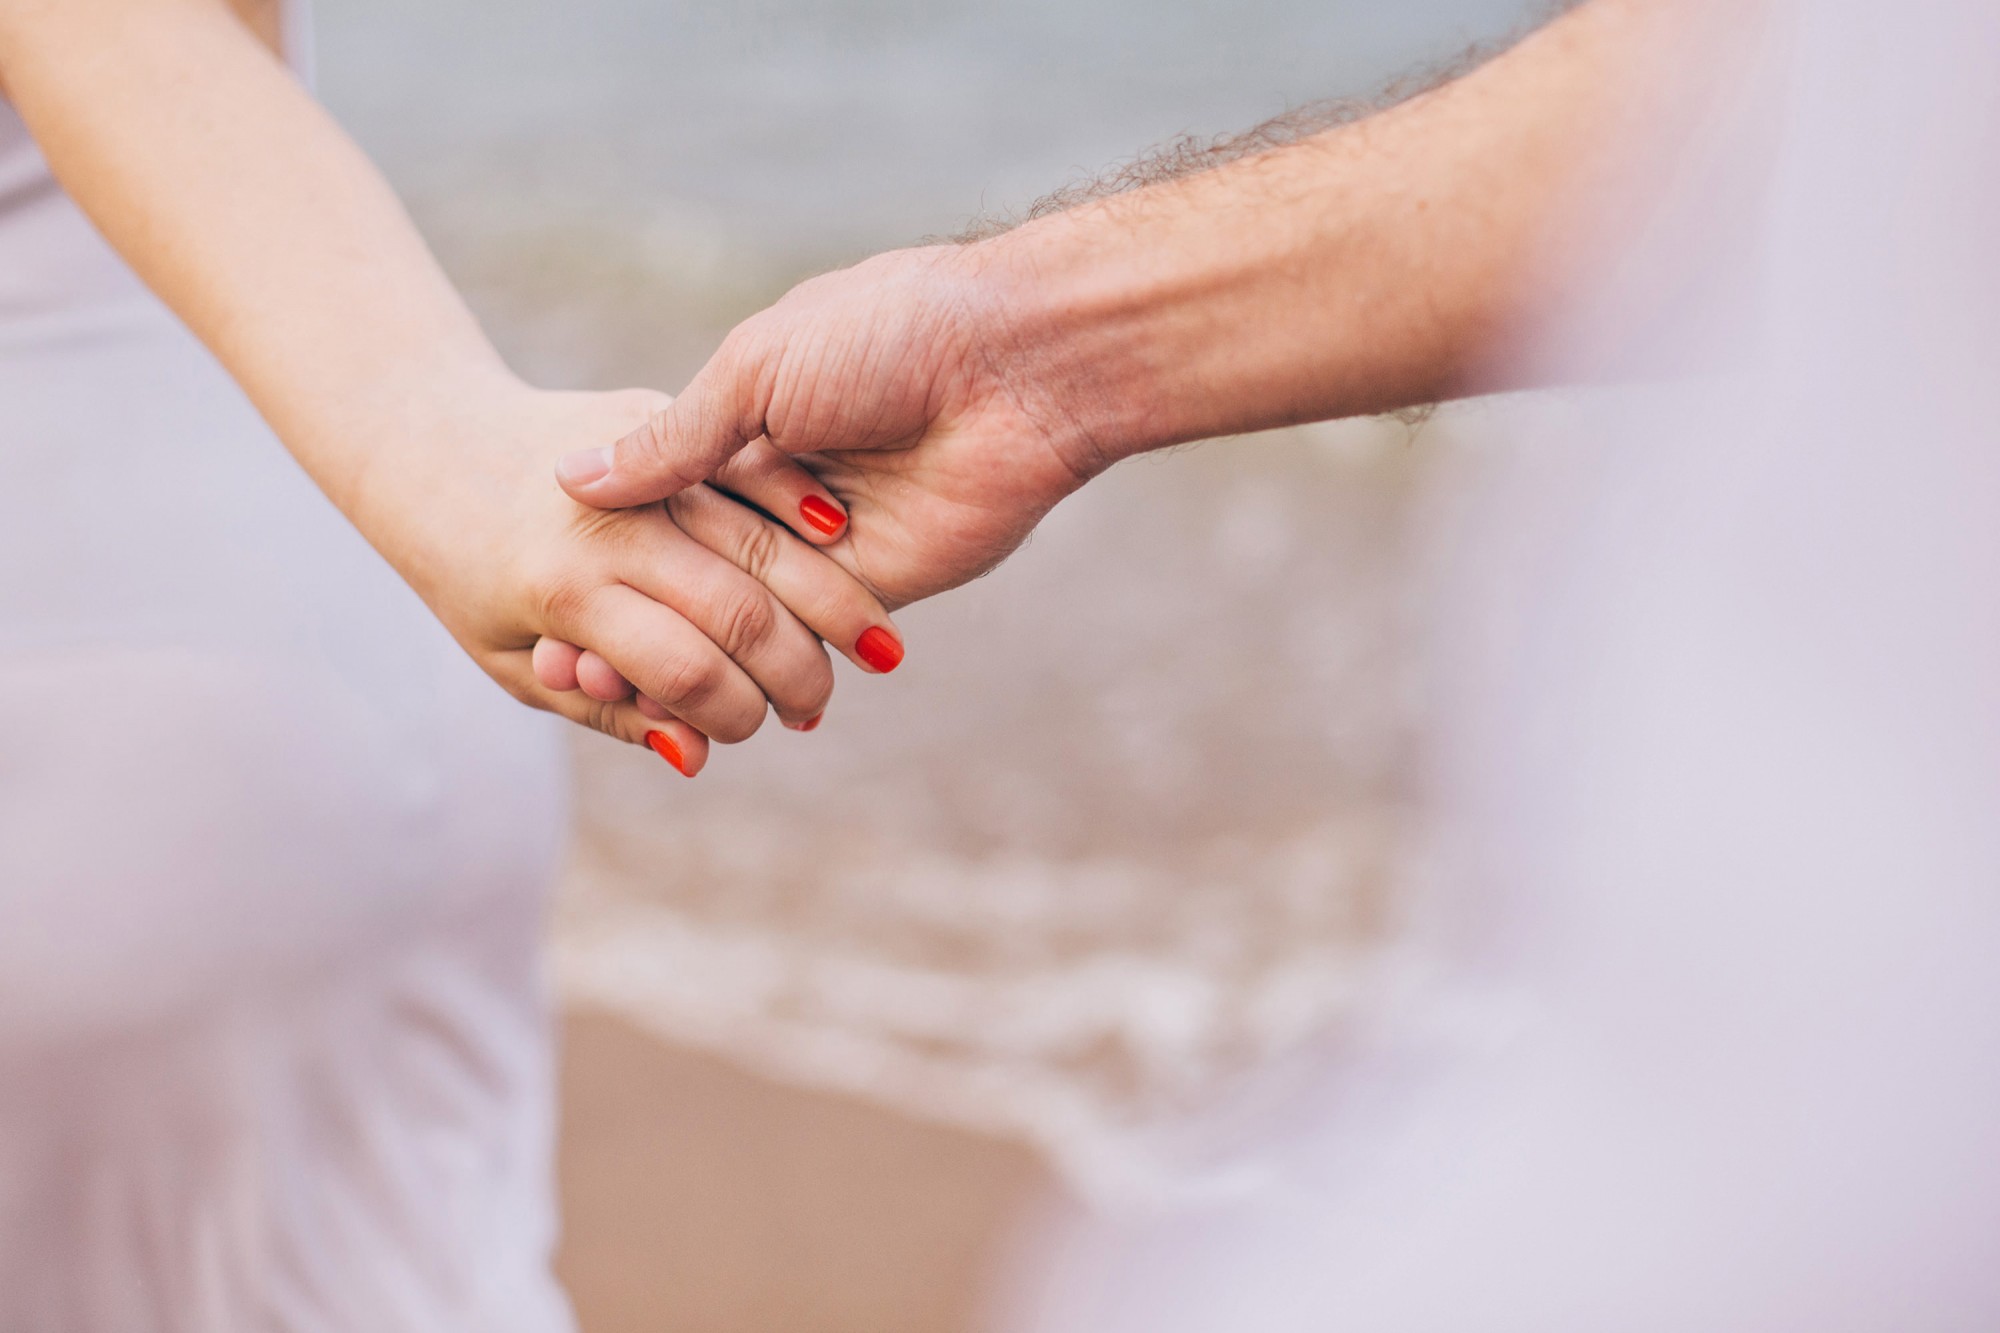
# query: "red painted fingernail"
{"type": "Point", "coordinates": [822, 515]}
{"type": "Point", "coordinates": [663, 746]}
{"type": "Point", "coordinates": [808, 724]}
{"type": "Point", "coordinates": [879, 649]}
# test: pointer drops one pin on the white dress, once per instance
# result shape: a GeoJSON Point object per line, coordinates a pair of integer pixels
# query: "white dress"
{"type": "Point", "coordinates": [274, 1050]}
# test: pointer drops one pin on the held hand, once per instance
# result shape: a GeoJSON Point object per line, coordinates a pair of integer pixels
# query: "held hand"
{"type": "Point", "coordinates": [705, 642]}
{"type": "Point", "coordinates": [903, 381]}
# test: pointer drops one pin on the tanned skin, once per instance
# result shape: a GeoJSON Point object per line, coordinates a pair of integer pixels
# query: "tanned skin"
{"type": "Point", "coordinates": [950, 395]}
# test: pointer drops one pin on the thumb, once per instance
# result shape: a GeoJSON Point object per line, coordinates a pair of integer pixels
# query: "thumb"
{"type": "Point", "coordinates": [677, 446]}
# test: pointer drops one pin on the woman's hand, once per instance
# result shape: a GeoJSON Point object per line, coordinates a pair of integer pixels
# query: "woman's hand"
{"type": "Point", "coordinates": [503, 557]}
{"type": "Point", "coordinates": [245, 208]}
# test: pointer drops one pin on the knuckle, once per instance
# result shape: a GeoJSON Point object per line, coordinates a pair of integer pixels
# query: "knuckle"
{"type": "Point", "coordinates": [759, 546]}
{"type": "Point", "coordinates": [685, 684]}
{"type": "Point", "coordinates": [611, 535]}
{"type": "Point", "coordinates": [745, 622]}
{"type": "Point", "coordinates": [564, 598]}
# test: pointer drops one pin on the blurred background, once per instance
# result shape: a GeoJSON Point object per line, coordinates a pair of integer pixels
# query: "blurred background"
{"type": "Point", "coordinates": [1133, 826]}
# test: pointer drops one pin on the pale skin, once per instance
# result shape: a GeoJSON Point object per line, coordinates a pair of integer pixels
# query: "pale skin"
{"type": "Point", "coordinates": [200, 158]}
{"type": "Point", "coordinates": [950, 396]}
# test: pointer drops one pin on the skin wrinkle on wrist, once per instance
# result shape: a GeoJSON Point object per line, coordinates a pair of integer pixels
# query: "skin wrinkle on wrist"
{"type": "Point", "coordinates": [1055, 339]}
{"type": "Point", "coordinates": [1018, 351]}
{"type": "Point", "coordinates": [1113, 303]}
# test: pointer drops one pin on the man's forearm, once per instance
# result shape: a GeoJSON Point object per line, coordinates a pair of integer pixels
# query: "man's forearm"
{"type": "Point", "coordinates": [1370, 267]}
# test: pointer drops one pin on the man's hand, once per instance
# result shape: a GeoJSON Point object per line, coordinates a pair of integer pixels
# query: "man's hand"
{"type": "Point", "coordinates": [899, 384]}
{"type": "Point", "coordinates": [952, 395]}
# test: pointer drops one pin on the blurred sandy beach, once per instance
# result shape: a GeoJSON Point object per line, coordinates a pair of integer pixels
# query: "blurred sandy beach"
{"type": "Point", "coordinates": [1135, 814]}
{"type": "Point", "coordinates": [703, 1197]}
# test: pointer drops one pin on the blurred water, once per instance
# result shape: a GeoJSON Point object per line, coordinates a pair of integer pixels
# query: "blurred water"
{"type": "Point", "coordinates": [836, 126]}
{"type": "Point", "coordinates": [701, 158]}
{"type": "Point", "coordinates": [1136, 809]}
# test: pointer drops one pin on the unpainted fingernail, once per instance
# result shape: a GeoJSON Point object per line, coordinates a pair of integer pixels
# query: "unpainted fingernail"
{"type": "Point", "coordinates": [879, 649]}
{"type": "Point", "coordinates": [663, 745]}
{"type": "Point", "coordinates": [822, 515]}
{"type": "Point", "coordinates": [585, 466]}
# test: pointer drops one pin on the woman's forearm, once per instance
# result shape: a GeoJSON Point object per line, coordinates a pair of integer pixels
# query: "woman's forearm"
{"type": "Point", "coordinates": [265, 229]}
{"type": "Point", "coordinates": [241, 202]}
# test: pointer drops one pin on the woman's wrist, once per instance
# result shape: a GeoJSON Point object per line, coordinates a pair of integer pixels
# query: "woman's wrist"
{"type": "Point", "coordinates": [417, 444]}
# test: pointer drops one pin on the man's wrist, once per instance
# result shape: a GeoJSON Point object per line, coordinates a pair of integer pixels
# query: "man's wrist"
{"type": "Point", "coordinates": [1071, 336]}
{"type": "Point", "coordinates": [1175, 313]}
